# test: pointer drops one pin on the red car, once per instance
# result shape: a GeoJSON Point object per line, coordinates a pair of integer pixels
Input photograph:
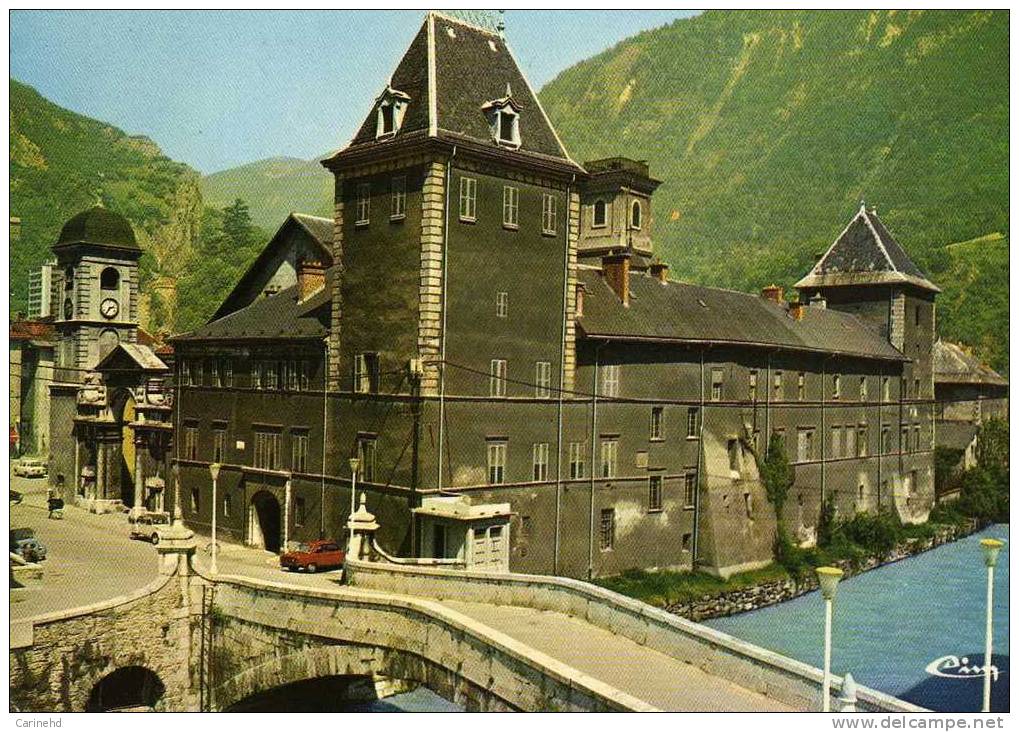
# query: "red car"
{"type": "Point", "coordinates": [311, 557]}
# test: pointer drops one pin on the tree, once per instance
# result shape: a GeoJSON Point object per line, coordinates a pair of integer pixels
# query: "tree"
{"type": "Point", "coordinates": [777, 474]}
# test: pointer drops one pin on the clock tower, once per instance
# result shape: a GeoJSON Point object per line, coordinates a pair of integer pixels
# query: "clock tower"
{"type": "Point", "coordinates": [95, 289]}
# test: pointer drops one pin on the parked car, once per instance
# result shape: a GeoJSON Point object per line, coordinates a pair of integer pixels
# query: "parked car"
{"type": "Point", "coordinates": [26, 544]}
{"type": "Point", "coordinates": [147, 526]}
{"type": "Point", "coordinates": [30, 468]}
{"type": "Point", "coordinates": [311, 557]}
{"type": "Point", "coordinates": [16, 496]}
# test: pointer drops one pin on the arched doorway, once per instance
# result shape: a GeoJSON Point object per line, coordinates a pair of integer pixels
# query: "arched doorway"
{"type": "Point", "coordinates": [264, 524]}
{"type": "Point", "coordinates": [127, 452]}
{"type": "Point", "coordinates": [132, 688]}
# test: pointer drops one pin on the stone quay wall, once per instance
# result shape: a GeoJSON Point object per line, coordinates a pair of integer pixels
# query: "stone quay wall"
{"type": "Point", "coordinates": [746, 599]}
{"type": "Point", "coordinates": [787, 680]}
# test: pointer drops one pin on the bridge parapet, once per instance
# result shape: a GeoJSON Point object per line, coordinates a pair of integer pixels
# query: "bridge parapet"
{"type": "Point", "coordinates": [719, 654]}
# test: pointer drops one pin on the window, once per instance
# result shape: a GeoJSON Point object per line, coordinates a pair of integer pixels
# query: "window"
{"type": "Point", "coordinates": [366, 373]}
{"type": "Point", "coordinates": [194, 500]}
{"type": "Point", "coordinates": [836, 386]}
{"type": "Point", "coordinates": [363, 204]}
{"type": "Point", "coordinates": [267, 450]}
{"type": "Point", "coordinates": [598, 214]}
{"type": "Point", "coordinates": [468, 199]}
{"type": "Point", "coordinates": [299, 450]}
{"type": "Point", "coordinates": [689, 489]}
{"type": "Point", "coordinates": [542, 379]}
{"type": "Point", "coordinates": [497, 378]}
{"type": "Point", "coordinates": [686, 542]}
{"type": "Point", "coordinates": [548, 213]}
{"type": "Point", "coordinates": [836, 442]}
{"type": "Point", "coordinates": [387, 119]}
{"type": "Point", "coordinates": [109, 279]}
{"type": "Point", "coordinates": [692, 425]}
{"type": "Point", "coordinates": [214, 373]}
{"type": "Point", "coordinates": [777, 385]}
{"type": "Point", "coordinates": [657, 429]}
{"type": "Point", "coordinates": [299, 511]}
{"type": "Point", "coordinates": [270, 375]}
{"type": "Point", "coordinates": [510, 207]}
{"type": "Point", "coordinates": [607, 529]}
{"type": "Point", "coordinates": [185, 372]}
{"type": "Point", "coordinates": [257, 382]}
{"type": "Point", "coordinates": [609, 451]}
{"type": "Point", "coordinates": [752, 392]}
{"type": "Point", "coordinates": [398, 197]}
{"type": "Point", "coordinates": [886, 439]}
{"type": "Point", "coordinates": [654, 493]}
{"type": "Point", "coordinates": [861, 440]}
{"type": "Point", "coordinates": [577, 452]}
{"type": "Point", "coordinates": [501, 304]}
{"type": "Point", "coordinates": [904, 439]}
{"type": "Point", "coordinates": [804, 445]}
{"type": "Point", "coordinates": [191, 442]}
{"type": "Point", "coordinates": [227, 505]}
{"type": "Point", "coordinates": [863, 388]}
{"type": "Point", "coordinates": [219, 443]}
{"type": "Point", "coordinates": [801, 386]}
{"type": "Point", "coordinates": [850, 440]}
{"type": "Point", "coordinates": [916, 438]}
{"type": "Point", "coordinates": [366, 454]}
{"type": "Point", "coordinates": [916, 316]}
{"type": "Point", "coordinates": [508, 132]}
{"type": "Point", "coordinates": [716, 385]}
{"type": "Point", "coordinates": [610, 380]}
{"type": "Point", "coordinates": [539, 461]}
{"type": "Point", "coordinates": [496, 462]}
{"type": "Point", "coordinates": [526, 527]}
{"type": "Point", "coordinates": [292, 375]}
{"type": "Point", "coordinates": [916, 388]}
{"type": "Point", "coordinates": [886, 389]}
{"type": "Point", "coordinates": [635, 215]}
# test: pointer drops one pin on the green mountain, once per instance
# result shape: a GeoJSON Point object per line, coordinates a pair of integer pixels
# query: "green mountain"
{"type": "Point", "coordinates": [768, 128]}
{"type": "Point", "coordinates": [273, 188]}
{"type": "Point", "coordinates": [62, 163]}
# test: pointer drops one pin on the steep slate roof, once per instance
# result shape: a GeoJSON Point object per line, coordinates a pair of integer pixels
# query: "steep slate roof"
{"type": "Point", "coordinates": [98, 225]}
{"type": "Point", "coordinates": [865, 253]}
{"type": "Point", "coordinates": [280, 316]}
{"type": "Point", "coordinates": [318, 228]}
{"type": "Point", "coordinates": [450, 71]}
{"type": "Point", "coordinates": [678, 312]}
{"type": "Point", "coordinates": [954, 365]}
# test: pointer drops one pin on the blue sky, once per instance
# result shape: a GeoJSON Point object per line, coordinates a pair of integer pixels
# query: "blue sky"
{"type": "Point", "coordinates": [218, 89]}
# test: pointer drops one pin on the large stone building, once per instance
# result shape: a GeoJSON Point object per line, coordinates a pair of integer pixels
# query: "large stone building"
{"type": "Point", "coordinates": [491, 322]}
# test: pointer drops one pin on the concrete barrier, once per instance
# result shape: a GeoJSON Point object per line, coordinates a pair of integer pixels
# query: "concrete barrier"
{"type": "Point", "coordinates": [758, 669]}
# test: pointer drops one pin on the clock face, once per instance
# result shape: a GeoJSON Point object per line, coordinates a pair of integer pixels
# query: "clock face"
{"type": "Point", "coordinates": [68, 309]}
{"type": "Point", "coordinates": [109, 308]}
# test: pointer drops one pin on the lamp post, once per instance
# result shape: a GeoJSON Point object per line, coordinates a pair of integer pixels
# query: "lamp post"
{"type": "Point", "coordinates": [990, 547]}
{"type": "Point", "coordinates": [828, 577]}
{"type": "Point", "coordinates": [214, 471]}
{"type": "Point", "coordinates": [355, 465]}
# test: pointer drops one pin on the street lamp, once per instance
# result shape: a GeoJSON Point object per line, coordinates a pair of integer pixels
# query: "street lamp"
{"type": "Point", "coordinates": [828, 577]}
{"type": "Point", "coordinates": [990, 547]}
{"type": "Point", "coordinates": [214, 470]}
{"type": "Point", "coordinates": [355, 465]}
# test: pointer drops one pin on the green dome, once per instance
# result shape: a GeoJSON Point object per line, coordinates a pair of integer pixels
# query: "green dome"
{"type": "Point", "coordinates": [98, 225]}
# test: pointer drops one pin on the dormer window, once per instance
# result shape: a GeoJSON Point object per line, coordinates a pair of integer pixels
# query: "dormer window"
{"type": "Point", "coordinates": [635, 215]}
{"type": "Point", "coordinates": [504, 120]}
{"type": "Point", "coordinates": [391, 106]}
{"type": "Point", "coordinates": [599, 215]}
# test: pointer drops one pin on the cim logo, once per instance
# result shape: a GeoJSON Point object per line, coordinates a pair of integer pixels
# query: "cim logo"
{"type": "Point", "coordinates": [954, 667]}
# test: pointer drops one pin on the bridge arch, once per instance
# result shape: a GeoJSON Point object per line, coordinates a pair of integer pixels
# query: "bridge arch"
{"type": "Point", "coordinates": [129, 688]}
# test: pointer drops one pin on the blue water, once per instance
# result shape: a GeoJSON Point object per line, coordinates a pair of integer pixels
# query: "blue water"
{"type": "Point", "coordinates": [890, 623]}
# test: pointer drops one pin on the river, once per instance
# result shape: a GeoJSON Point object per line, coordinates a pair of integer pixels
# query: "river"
{"type": "Point", "coordinates": [892, 622]}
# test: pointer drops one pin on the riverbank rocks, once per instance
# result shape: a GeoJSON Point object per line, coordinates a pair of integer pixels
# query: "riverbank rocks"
{"type": "Point", "coordinates": [771, 593]}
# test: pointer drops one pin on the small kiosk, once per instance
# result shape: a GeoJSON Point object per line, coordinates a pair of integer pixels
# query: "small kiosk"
{"type": "Point", "coordinates": [478, 536]}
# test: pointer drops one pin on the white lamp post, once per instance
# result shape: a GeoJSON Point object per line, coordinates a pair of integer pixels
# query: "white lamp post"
{"type": "Point", "coordinates": [829, 578]}
{"type": "Point", "coordinates": [355, 465]}
{"type": "Point", "coordinates": [214, 470]}
{"type": "Point", "coordinates": [990, 547]}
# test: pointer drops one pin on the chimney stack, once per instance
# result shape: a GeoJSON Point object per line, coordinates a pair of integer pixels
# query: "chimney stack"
{"type": "Point", "coordinates": [311, 278]}
{"type": "Point", "coordinates": [617, 275]}
{"type": "Point", "coordinates": [796, 309]}
{"type": "Point", "coordinates": [660, 271]}
{"type": "Point", "coordinates": [773, 293]}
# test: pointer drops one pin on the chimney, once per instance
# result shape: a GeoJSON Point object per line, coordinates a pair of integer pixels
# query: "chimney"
{"type": "Point", "coordinates": [660, 271]}
{"type": "Point", "coordinates": [773, 293]}
{"type": "Point", "coordinates": [818, 301]}
{"type": "Point", "coordinates": [616, 268]}
{"type": "Point", "coordinates": [796, 309]}
{"type": "Point", "coordinates": [311, 278]}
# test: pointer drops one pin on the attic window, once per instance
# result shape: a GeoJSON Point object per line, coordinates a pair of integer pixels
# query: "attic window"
{"type": "Point", "coordinates": [388, 119]}
{"type": "Point", "coordinates": [391, 106]}
{"type": "Point", "coordinates": [599, 215]}
{"type": "Point", "coordinates": [508, 130]}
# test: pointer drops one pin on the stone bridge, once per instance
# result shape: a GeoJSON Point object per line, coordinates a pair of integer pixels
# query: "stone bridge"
{"type": "Point", "coordinates": [191, 642]}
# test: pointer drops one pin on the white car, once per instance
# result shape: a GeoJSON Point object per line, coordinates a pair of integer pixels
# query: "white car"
{"type": "Point", "coordinates": [30, 468]}
{"type": "Point", "coordinates": [147, 526]}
